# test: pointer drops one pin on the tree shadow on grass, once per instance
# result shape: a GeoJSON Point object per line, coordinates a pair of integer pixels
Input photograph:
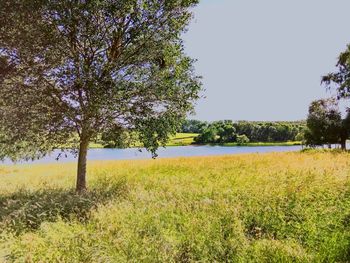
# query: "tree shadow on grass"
{"type": "Point", "coordinates": [25, 210]}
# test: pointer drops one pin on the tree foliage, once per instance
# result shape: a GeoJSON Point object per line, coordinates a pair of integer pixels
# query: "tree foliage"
{"type": "Point", "coordinates": [340, 81]}
{"type": "Point", "coordinates": [72, 69]}
{"type": "Point", "coordinates": [341, 78]}
{"type": "Point", "coordinates": [242, 139]}
{"type": "Point", "coordinates": [193, 126]}
{"type": "Point", "coordinates": [325, 124]}
{"type": "Point", "coordinates": [229, 131]}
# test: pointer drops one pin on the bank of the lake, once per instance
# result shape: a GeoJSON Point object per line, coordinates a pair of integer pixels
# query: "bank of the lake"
{"type": "Point", "coordinates": [258, 144]}
{"type": "Point", "coordinates": [275, 207]}
{"type": "Point", "coordinates": [166, 152]}
{"type": "Point", "coordinates": [187, 139]}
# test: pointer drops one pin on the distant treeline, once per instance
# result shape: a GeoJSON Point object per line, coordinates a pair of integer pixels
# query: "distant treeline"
{"type": "Point", "coordinates": [245, 131]}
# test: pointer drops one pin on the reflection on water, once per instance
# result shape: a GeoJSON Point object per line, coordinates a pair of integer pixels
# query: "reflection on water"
{"type": "Point", "coordinates": [180, 151]}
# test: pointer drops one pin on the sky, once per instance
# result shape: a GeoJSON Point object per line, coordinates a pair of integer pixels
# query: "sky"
{"type": "Point", "coordinates": [263, 60]}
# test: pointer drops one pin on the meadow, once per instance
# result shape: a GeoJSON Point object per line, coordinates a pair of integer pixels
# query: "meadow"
{"type": "Point", "coordinates": [182, 139]}
{"type": "Point", "coordinates": [280, 207]}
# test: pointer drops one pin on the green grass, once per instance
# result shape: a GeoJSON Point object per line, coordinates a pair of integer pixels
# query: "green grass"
{"type": "Point", "coordinates": [254, 144]}
{"type": "Point", "coordinates": [281, 207]}
{"type": "Point", "coordinates": [182, 139]}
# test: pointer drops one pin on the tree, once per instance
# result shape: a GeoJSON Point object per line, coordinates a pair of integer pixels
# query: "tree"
{"type": "Point", "coordinates": [325, 124]}
{"type": "Point", "coordinates": [242, 139]}
{"type": "Point", "coordinates": [341, 78]}
{"type": "Point", "coordinates": [227, 133]}
{"type": "Point", "coordinates": [345, 132]}
{"type": "Point", "coordinates": [225, 130]}
{"type": "Point", "coordinates": [193, 126]}
{"type": "Point", "coordinates": [300, 136]}
{"type": "Point", "coordinates": [77, 68]}
{"type": "Point", "coordinates": [250, 129]}
{"type": "Point", "coordinates": [209, 135]}
{"type": "Point", "coordinates": [118, 138]}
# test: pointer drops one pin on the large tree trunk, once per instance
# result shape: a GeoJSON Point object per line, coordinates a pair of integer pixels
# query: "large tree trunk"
{"type": "Point", "coordinates": [343, 144]}
{"type": "Point", "coordinates": [81, 174]}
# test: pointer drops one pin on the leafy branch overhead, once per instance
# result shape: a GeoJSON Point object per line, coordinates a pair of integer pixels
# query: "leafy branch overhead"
{"type": "Point", "coordinates": [82, 67]}
{"type": "Point", "coordinates": [341, 78]}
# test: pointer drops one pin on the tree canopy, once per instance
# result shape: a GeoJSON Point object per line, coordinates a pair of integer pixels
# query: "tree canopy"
{"type": "Point", "coordinates": [340, 79]}
{"type": "Point", "coordinates": [228, 131]}
{"type": "Point", "coordinates": [71, 69]}
{"type": "Point", "coordinates": [325, 124]}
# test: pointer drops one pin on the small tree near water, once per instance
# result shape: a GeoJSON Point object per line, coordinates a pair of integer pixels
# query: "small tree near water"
{"type": "Point", "coordinates": [340, 81]}
{"type": "Point", "coordinates": [242, 139]}
{"type": "Point", "coordinates": [70, 70]}
{"type": "Point", "coordinates": [325, 124]}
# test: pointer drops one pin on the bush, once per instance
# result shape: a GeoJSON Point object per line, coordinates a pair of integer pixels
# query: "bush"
{"type": "Point", "coordinates": [242, 139]}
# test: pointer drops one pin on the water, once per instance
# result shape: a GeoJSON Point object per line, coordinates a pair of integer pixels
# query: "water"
{"type": "Point", "coordinates": [179, 151]}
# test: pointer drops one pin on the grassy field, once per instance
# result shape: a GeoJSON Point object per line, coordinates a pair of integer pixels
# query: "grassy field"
{"type": "Point", "coordinates": [283, 207]}
{"type": "Point", "coordinates": [182, 139]}
{"type": "Point", "coordinates": [254, 144]}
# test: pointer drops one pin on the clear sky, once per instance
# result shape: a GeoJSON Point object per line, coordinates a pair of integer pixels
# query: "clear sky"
{"type": "Point", "coordinates": [263, 60]}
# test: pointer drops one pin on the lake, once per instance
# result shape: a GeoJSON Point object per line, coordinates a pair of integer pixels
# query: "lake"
{"type": "Point", "coordinates": [179, 151]}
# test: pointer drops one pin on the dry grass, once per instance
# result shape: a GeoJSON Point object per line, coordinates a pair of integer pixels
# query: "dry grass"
{"type": "Point", "coordinates": [285, 207]}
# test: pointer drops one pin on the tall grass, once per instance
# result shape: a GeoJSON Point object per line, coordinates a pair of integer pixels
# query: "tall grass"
{"type": "Point", "coordinates": [285, 207]}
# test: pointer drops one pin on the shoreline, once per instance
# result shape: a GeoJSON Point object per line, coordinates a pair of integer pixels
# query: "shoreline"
{"type": "Point", "coordinates": [229, 144]}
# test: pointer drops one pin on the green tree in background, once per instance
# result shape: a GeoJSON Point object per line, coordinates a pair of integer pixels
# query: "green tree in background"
{"type": "Point", "coordinates": [228, 131]}
{"type": "Point", "coordinates": [72, 69]}
{"type": "Point", "coordinates": [325, 124]}
{"type": "Point", "coordinates": [340, 80]}
{"type": "Point", "coordinates": [345, 131]}
{"type": "Point", "coordinates": [193, 126]}
{"type": "Point", "coordinates": [242, 139]}
{"type": "Point", "coordinates": [209, 135]}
